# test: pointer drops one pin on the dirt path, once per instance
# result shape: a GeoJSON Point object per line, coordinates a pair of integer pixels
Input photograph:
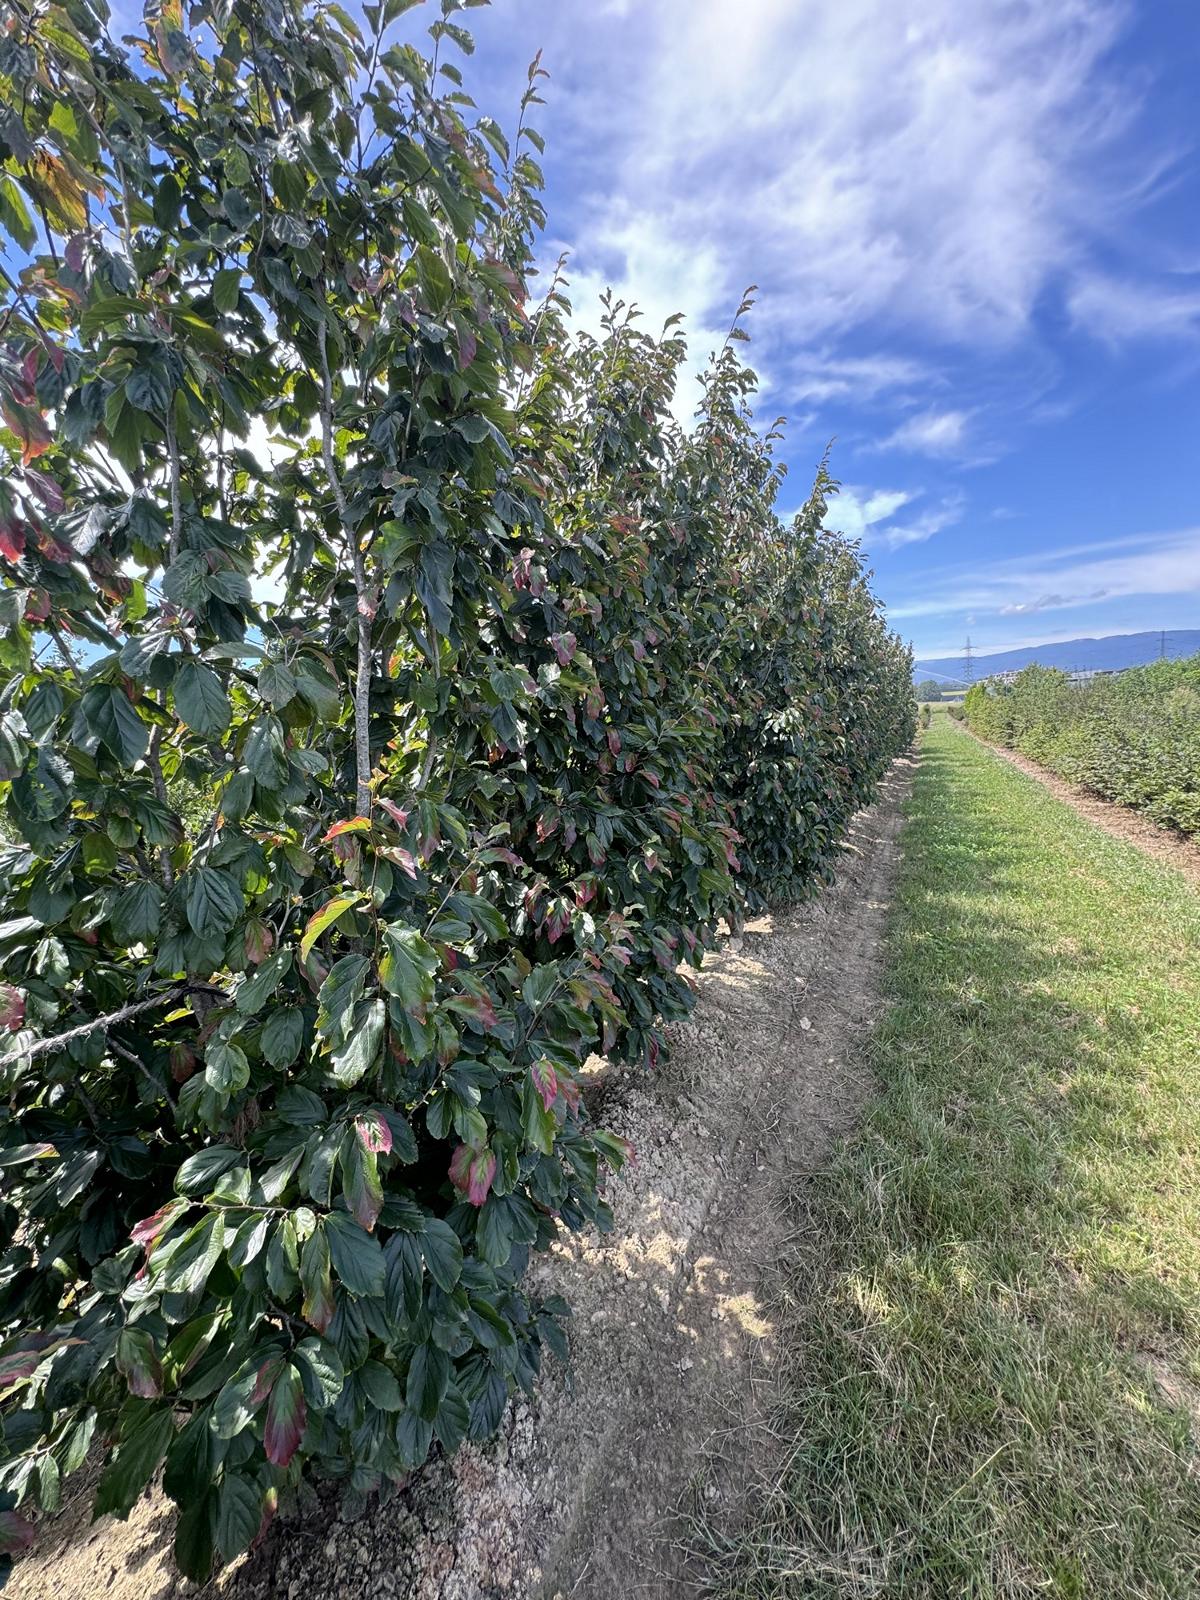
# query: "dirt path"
{"type": "Point", "coordinates": [1164, 844]}
{"type": "Point", "coordinates": [585, 1495]}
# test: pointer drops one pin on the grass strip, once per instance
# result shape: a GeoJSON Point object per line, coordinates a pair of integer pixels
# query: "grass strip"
{"type": "Point", "coordinates": [992, 1317]}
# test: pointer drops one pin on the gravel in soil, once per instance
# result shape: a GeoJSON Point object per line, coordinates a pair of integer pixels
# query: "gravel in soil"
{"type": "Point", "coordinates": [587, 1492]}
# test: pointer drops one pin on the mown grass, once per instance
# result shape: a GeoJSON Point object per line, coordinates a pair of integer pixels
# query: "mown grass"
{"type": "Point", "coordinates": [992, 1317]}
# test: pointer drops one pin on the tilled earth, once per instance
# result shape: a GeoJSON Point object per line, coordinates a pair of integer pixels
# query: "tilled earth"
{"type": "Point", "coordinates": [587, 1493]}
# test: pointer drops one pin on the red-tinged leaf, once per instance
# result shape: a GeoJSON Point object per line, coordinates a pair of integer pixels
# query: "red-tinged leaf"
{"type": "Point", "coordinates": [47, 491]}
{"type": "Point", "coordinates": [564, 645]}
{"type": "Point", "coordinates": [12, 1007]}
{"type": "Point", "coordinates": [37, 606]}
{"type": "Point", "coordinates": [139, 1364]}
{"type": "Point", "coordinates": [472, 1172]}
{"type": "Point", "coordinates": [259, 942]}
{"type": "Point", "coordinates": [183, 1062]}
{"type": "Point", "coordinates": [150, 1230]}
{"type": "Point", "coordinates": [478, 1007]}
{"type": "Point", "coordinates": [614, 742]}
{"type": "Point", "coordinates": [264, 1380]}
{"type": "Point", "coordinates": [325, 918]}
{"type": "Point", "coordinates": [286, 1418]}
{"type": "Point", "coordinates": [270, 1507]}
{"type": "Point", "coordinates": [547, 825]}
{"type": "Point", "coordinates": [12, 540]}
{"type": "Point", "coordinates": [353, 825]}
{"type": "Point", "coordinates": [545, 1082]}
{"type": "Point", "coordinates": [373, 1132]}
{"type": "Point", "coordinates": [467, 346]}
{"type": "Point", "coordinates": [397, 813]}
{"type": "Point", "coordinates": [401, 857]}
{"type": "Point", "coordinates": [16, 1535]}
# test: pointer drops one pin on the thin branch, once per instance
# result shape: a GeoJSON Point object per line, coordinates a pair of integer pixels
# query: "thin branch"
{"type": "Point", "coordinates": [119, 1049]}
{"type": "Point", "coordinates": [42, 1047]}
{"type": "Point", "coordinates": [362, 682]}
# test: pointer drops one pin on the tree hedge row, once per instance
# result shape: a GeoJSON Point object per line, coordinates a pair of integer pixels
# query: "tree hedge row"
{"type": "Point", "coordinates": [395, 699]}
{"type": "Point", "coordinates": [1133, 737]}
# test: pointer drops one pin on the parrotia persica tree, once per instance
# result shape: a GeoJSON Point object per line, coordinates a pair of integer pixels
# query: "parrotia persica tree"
{"type": "Point", "coordinates": [394, 698]}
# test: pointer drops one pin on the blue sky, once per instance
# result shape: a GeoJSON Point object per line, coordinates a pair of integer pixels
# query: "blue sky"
{"type": "Point", "coordinates": [976, 232]}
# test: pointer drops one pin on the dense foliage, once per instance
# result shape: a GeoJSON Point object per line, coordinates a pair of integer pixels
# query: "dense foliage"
{"type": "Point", "coordinates": [1133, 737]}
{"type": "Point", "coordinates": [395, 698]}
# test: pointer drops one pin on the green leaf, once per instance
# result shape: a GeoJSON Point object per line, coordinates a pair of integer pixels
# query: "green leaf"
{"type": "Point", "coordinates": [135, 1463]}
{"type": "Point", "coordinates": [276, 684]}
{"type": "Point", "coordinates": [363, 1048]}
{"type": "Point", "coordinates": [257, 989]}
{"type": "Point", "coordinates": [226, 1068]}
{"type": "Point", "coordinates": [110, 717]}
{"type": "Point", "coordinates": [408, 967]}
{"type": "Point", "coordinates": [380, 1386]}
{"type": "Point", "coordinates": [187, 1269]}
{"type": "Point", "coordinates": [201, 1170]}
{"type": "Point", "coordinates": [428, 1379]}
{"type": "Point", "coordinates": [226, 289]}
{"type": "Point", "coordinates": [282, 1036]}
{"type": "Point", "coordinates": [356, 1255]}
{"type": "Point", "coordinates": [321, 1372]}
{"type": "Point", "coordinates": [195, 1535]}
{"type": "Point", "coordinates": [137, 914]}
{"type": "Point", "coordinates": [239, 1514]}
{"type": "Point", "coordinates": [214, 900]}
{"type": "Point", "coordinates": [200, 699]}
{"type": "Point", "coordinates": [265, 753]}
{"type": "Point", "coordinates": [442, 1249]}
{"type": "Point", "coordinates": [452, 1420]}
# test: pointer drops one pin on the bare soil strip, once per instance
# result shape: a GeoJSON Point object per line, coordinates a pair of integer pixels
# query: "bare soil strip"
{"type": "Point", "coordinates": [1164, 844]}
{"type": "Point", "coordinates": [583, 1498]}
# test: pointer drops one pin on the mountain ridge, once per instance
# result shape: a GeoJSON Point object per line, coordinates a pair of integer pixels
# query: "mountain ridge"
{"type": "Point", "coordinates": [1110, 652]}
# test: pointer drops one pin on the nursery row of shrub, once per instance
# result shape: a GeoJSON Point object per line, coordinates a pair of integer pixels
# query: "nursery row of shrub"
{"type": "Point", "coordinates": [1133, 737]}
{"type": "Point", "coordinates": [395, 699]}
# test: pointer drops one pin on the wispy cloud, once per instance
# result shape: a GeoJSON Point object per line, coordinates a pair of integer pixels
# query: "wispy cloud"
{"type": "Point", "coordinates": [1057, 580]}
{"type": "Point", "coordinates": [868, 514]}
{"type": "Point", "coordinates": [1116, 309]}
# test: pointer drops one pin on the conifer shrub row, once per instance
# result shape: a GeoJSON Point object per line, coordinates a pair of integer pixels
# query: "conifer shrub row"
{"type": "Point", "coordinates": [1133, 737]}
{"type": "Point", "coordinates": [395, 698]}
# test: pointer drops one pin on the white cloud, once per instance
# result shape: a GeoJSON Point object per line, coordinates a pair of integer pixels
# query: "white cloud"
{"type": "Point", "coordinates": [867, 514]}
{"type": "Point", "coordinates": [1057, 580]}
{"type": "Point", "coordinates": [1116, 309]}
{"type": "Point", "coordinates": [930, 433]}
{"type": "Point", "coordinates": [929, 165]}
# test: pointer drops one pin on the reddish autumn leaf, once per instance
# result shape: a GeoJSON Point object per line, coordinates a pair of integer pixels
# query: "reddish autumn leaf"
{"type": "Point", "coordinates": [16, 1535]}
{"type": "Point", "coordinates": [352, 825]}
{"type": "Point", "coordinates": [138, 1363]}
{"type": "Point", "coordinates": [472, 1172]}
{"type": "Point", "coordinates": [150, 1230]}
{"type": "Point", "coordinates": [183, 1061]}
{"type": "Point", "coordinates": [564, 646]}
{"type": "Point", "coordinates": [259, 940]}
{"type": "Point", "coordinates": [373, 1132]}
{"type": "Point", "coordinates": [545, 1081]}
{"type": "Point", "coordinates": [286, 1418]}
{"type": "Point", "coordinates": [12, 540]}
{"type": "Point", "coordinates": [264, 1379]}
{"type": "Point", "coordinates": [12, 1007]}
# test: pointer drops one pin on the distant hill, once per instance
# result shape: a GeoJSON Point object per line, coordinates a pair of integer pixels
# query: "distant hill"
{"type": "Point", "coordinates": [1118, 650]}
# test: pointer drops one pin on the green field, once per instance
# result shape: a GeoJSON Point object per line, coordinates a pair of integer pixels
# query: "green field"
{"type": "Point", "coordinates": [993, 1314]}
